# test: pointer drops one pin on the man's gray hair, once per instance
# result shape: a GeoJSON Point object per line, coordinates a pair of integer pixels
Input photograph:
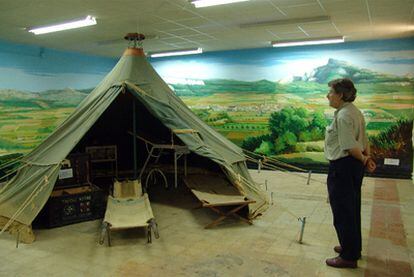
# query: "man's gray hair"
{"type": "Point", "coordinates": [344, 86]}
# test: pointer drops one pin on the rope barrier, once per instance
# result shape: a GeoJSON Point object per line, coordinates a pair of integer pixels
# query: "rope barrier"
{"type": "Point", "coordinates": [28, 200]}
{"type": "Point", "coordinates": [265, 158]}
{"type": "Point", "coordinates": [9, 163]}
{"type": "Point", "coordinates": [264, 162]}
{"type": "Point", "coordinates": [266, 165]}
{"type": "Point", "coordinates": [24, 164]}
{"type": "Point", "coordinates": [13, 171]}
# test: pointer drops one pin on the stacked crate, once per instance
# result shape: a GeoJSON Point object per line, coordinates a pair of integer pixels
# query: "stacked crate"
{"type": "Point", "coordinates": [74, 198]}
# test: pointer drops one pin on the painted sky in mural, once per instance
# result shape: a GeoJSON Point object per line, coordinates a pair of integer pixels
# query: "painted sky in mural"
{"type": "Point", "coordinates": [44, 69]}
{"type": "Point", "coordinates": [282, 64]}
{"type": "Point", "coordinates": [32, 68]}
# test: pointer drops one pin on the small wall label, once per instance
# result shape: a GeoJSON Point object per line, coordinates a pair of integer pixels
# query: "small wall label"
{"type": "Point", "coordinates": [65, 173]}
{"type": "Point", "coordinates": [389, 161]}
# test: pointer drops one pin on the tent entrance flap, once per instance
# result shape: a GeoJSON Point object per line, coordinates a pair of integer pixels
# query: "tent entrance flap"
{"type": "Point", "coordinates": [116, 127]}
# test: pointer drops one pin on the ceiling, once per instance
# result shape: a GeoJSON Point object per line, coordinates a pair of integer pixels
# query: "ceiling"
{"type": "Point", "coordinates": [177, 24]}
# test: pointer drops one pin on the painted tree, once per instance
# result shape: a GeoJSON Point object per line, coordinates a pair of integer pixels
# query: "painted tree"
{"type": "Point", "coordinates": [289, 119]}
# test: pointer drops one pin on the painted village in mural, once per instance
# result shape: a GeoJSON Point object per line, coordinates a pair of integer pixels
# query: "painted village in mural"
{"type": "Point", "coordinates": [285, 119]}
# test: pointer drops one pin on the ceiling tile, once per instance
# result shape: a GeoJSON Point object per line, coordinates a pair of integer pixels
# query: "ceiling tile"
{"type": "Point", "coordinates": [178, 23]}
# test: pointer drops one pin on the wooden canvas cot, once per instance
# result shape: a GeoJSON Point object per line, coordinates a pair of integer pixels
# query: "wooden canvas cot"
{"type": "Point", "coordinates": [128, 208]}
{"type": "Point", "coordinates": [218, 194]}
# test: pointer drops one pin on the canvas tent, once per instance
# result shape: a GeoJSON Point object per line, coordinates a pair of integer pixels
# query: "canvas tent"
{"type": "Point", "coordinates": [132, 79]}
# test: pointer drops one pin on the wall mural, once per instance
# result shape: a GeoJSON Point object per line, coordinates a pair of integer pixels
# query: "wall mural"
{"type": "Point", "coordinates": [39, 88]}
{"type": "Point", "coordinates": [270, 101]}
{"type": "Point", "coordinates": [273, 101]}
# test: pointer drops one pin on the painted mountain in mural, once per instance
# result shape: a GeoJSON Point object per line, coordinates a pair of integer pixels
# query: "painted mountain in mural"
{"type": "Point", "coordinates": [313, 82]}
{"type": "Point", "coordinates": [26, 118]}
{"type": "Point", "coordinates": [47, 99]}
{"type": "Point", "coordinates": [340, 69]}
{"type": "Point", "coordinates": [222, 85]}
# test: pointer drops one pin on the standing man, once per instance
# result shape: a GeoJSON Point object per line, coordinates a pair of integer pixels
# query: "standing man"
{"type": "Point", "coordinates": [347, 149]}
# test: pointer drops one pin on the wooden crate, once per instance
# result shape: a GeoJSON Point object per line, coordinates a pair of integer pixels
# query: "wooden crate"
{"type": "Point", "coordinates": [71, 205]}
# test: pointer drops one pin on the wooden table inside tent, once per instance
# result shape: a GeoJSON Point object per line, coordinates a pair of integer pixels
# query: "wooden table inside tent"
{"type": "Point", "coordinates": [179, 151]}
{"type": "Point", "coordinates": [216, 193]}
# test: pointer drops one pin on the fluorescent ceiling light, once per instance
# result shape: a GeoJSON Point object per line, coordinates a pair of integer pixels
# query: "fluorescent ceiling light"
{"type": "Point", "coordinates": [286, 21]}
{"type": "Point", "coordinates": [88, 21]}
{"type": "Point", "coordinates": [177, 53]}
{"type": "Point", "coordinates": [207, 3]}
{"type": "Point", "coordinates": [308, 42]}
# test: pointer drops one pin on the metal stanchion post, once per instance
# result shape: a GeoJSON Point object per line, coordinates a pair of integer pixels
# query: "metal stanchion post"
{"type": "Point", "coordinates": [17, 239]}
{"type": "Point", "coordinates": [302, 229]}
{"type": "Point", "coordinates": [309, 177]}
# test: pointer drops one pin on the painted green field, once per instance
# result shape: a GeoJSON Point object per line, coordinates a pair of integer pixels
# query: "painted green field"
{"type": "Point", "coordinates": [248, 115]}
{"type": "Point", "coordinates": [236, 114]}
{"type": "Point", "coordinates": [21, 129]}
{"type": "Point", "coordinates": [304, 158]}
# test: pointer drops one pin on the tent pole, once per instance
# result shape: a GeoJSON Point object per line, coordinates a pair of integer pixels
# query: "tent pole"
{"type": "Point", "coordinates": [134, 137]}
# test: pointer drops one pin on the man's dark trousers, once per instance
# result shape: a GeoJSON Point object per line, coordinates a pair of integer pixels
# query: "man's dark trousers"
{"type": "Point", "coordinates": [344, 188]}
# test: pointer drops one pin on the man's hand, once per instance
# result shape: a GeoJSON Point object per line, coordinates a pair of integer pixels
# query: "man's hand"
{"type": "Point", "coordinates": [370, 165]}
{"type": "Point", "coordinates": [364, 157]}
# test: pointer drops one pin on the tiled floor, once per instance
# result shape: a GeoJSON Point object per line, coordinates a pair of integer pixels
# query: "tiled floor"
{"type": "Point", "coordinates": [268, 248]}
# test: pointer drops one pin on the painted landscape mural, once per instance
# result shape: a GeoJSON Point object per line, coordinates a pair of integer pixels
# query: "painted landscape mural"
{"type": "Point", "coordinates": [268, 101]}
{"type": "Point", "coordinates": [288, 119]}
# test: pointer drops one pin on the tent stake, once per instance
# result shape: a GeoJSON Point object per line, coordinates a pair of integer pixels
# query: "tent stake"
{"type": "Point", "coordinates": [302, 229]}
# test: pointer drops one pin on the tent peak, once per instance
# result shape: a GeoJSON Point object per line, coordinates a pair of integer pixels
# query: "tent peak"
{"type": "Point", "coordinates": [134, 37]}
{"type": "Point", "coordinates": [132, 51]}
{"type": "Point", "coordinates": [136, 40]}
